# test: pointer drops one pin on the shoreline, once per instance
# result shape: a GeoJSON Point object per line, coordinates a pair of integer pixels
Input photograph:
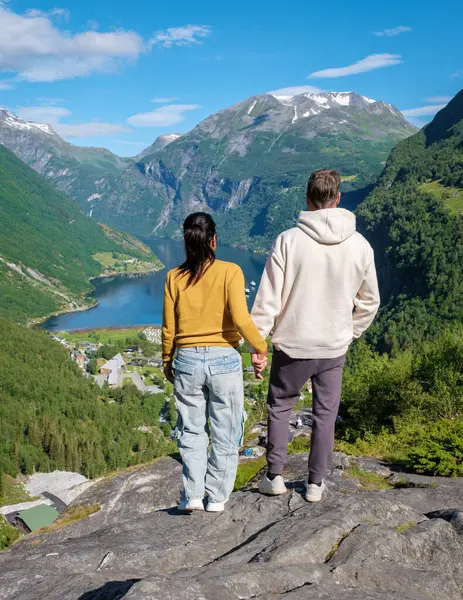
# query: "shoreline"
{"type": "Point", "coordinates": [39, 321]}
{"type": "Point", "coordinates": [111, 328]}
{"type": "Point", "coordinates": [116, 274]}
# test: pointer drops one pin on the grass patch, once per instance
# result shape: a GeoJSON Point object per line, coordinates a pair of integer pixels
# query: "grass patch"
{"type": "Point", "coordinates": [14, 492]}
{"type": "Point", "coordinates": [124, 263]}
{"type": "Point", "coordinates": [370, 481]}
{"type": "Point", "coordinates": [8, 533]}
{"type": "Point", "coordinates": [405, 526]}
{"type": "Point", "coordinates": [301, 443]}
{"type": "Point", "coordinates": [247, 471]}
{"type": "Point", "coordinates": [349, 177]}
{"type": "Point", "coordinates": [104, 336]}
{"type": "Point", "coordinates": [73, 515]}
{"type": "Point", "coordinates": [384, 445]}
{"type": "Point", "coordinates": [450, 196]}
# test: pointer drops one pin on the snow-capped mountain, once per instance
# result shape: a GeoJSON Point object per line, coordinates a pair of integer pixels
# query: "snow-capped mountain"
{"type": "Point", "coordinates": [243, 157]}
{"type": "Point", "coordinates": [9, 119]}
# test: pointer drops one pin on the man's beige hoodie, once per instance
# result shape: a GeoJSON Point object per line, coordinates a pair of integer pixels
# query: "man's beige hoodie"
{"type": "Point", "coordinates": [319, 289]}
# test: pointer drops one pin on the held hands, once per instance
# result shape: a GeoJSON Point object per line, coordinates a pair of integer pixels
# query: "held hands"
{"type": "Point", "coordinates": [259, 362]}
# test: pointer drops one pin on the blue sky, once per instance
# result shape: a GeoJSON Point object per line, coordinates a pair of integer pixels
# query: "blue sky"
{"type": "Point", "coordinates": [118, 74]}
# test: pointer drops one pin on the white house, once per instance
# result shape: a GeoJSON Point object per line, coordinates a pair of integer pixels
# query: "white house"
{"type": "Point", "coordinates": [113, 368]}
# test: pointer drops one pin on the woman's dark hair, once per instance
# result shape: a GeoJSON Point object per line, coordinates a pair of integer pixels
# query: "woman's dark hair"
{"type": "Point", "coordinates": [198, 232]}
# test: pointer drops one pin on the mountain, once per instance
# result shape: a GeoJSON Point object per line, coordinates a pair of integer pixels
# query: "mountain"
{"type": "Point", "coordinates": [74, 170]}
{"type": "Point", "coordinates": [47, 245]}
{"type": "Point", "coordinates": [241, 164]}
{"type": "Point", "coordinates": [159, 144]}
{"type": "Point", "coordinates": [414, 219]}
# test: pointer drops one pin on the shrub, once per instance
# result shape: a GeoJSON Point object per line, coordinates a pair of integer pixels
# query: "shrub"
{"type": "Point", "coordinates": [436, 449]}
{"type": "Point", "coordinates": [8, 534]}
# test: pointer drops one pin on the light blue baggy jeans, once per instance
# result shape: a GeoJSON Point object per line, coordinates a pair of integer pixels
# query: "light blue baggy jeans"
{"type": "Point", "coordinates": [209, 389]}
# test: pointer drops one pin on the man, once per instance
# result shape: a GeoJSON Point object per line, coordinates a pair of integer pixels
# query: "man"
{"type": "Point", "coordinates": [318, 292]}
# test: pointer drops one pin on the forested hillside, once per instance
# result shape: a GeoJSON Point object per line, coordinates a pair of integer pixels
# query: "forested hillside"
{"type": "Point", "coordinates": [47, 244]}
{"type": "Point", "coordinates": [413, 219]}
{"type": "Point", "coordinates": [51, 417]}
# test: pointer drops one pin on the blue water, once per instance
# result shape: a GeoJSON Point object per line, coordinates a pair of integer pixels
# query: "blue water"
{"type": "Point", "coordinates": [126, 301]}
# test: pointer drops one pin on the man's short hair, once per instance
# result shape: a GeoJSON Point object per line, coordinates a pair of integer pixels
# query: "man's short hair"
{"type": "Point", "coordinates": [323, 187]}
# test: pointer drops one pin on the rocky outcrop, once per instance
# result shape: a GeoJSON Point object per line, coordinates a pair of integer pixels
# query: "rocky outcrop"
{"type": "Point", "coordinates": [402, 541]}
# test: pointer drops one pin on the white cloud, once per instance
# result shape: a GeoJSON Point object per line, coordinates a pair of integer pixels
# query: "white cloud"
{"type": "Point", "coordinates": [163, 100]}
{"type": "Point", "coordinates": [369, 63]}
{"type": "Point", "coordinates": [393, 32]}
{"type": "Point", "coordinates": [423, 111]}
{"type": "Point", "coordinates": [32, 46]}
{"type": "Point", "coordinates": [295, 90]}
{"type": "Point", "coordinates": [53, 115]}
{"type": "Point", "coordinates": [42, 114]}
{"type": "Point", "coordinates": [439, 99]}
{"type": "Point", "coordinates": [55, 12]}
{"type": "Point", "coordinates": [35, 48]}
{"type": "Point", "coordinates": [5, 86]}
{"type": "Point", "coordinates": [85, 130]}
{"type": "Point", "coordinates": [180, 36]}
{"type": "Point", "coordinates": [164, 116]}
{"type": "Point", "coordinates": [457, 74]}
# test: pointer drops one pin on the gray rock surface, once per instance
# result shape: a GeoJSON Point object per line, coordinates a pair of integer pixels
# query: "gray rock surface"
{"type": "Point", "coordinates": [393, 543]}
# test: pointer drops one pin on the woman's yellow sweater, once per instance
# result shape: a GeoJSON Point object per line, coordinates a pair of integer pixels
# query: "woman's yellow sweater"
{"type": "Point", "coordinates": [211, 312]}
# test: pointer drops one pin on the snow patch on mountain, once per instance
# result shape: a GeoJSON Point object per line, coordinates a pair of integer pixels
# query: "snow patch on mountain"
{"type": "Point", "coordinates": [13, 121]}
{"type": "Point", "coordinates": [325, 99]}
{"type": "Point", "coordinates": [171, 136]}
{"type": "Point", "coordinates": [252, 107]}
{"type": "Point", "coordinates": [295, 115]}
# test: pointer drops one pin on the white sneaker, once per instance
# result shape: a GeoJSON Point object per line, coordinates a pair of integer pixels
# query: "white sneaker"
{"type": "Point", "coordinates": [191, 505]}
{"type": "Point", "coordinates": [272, 487]}
{"type": "Point", "coordinates": [215, 506]}
{"type": "Point", "coordinates": [314, 492]}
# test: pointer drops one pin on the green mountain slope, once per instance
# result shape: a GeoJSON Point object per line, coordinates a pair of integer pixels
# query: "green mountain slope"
{"type": "Point", "coordinates": [412, 219]}
{"type": "Point", "coordinates": [47, 244]}
{"type": "Point", "coordinates": [52, 417]}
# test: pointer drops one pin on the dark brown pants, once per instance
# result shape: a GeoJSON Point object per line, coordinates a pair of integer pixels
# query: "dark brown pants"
{"type": "Point", "coordinates": [287, 377]}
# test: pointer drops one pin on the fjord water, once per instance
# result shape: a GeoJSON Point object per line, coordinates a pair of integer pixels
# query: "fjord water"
{"type": "Point", "coordinates": [128, 301]}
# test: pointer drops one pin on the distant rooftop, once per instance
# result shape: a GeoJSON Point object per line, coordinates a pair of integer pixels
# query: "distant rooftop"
{"type": "Point", "coordinates": [38, 516]}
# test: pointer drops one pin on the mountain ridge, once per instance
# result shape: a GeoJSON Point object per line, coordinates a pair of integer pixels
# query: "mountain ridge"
{"type": "Point", "coordinates": [241, 157]}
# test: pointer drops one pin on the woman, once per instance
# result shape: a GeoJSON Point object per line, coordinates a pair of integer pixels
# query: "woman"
{"type": "Point", "coordinates": [205, 316]}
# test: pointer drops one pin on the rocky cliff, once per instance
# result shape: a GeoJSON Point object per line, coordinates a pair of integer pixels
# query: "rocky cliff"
{"type": "Point", "coordinates": [378, 535]}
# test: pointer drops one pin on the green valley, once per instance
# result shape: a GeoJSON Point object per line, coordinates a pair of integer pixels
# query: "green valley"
{"type": "Point", "coordinates": [47, 245]}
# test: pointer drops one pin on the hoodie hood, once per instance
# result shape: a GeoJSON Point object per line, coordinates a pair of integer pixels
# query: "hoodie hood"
{"type": "Point", "coordinates": [328, 225]}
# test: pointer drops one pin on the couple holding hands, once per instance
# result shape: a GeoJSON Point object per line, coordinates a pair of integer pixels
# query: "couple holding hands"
{"type": "Point", "coordinates": [318, 292]}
